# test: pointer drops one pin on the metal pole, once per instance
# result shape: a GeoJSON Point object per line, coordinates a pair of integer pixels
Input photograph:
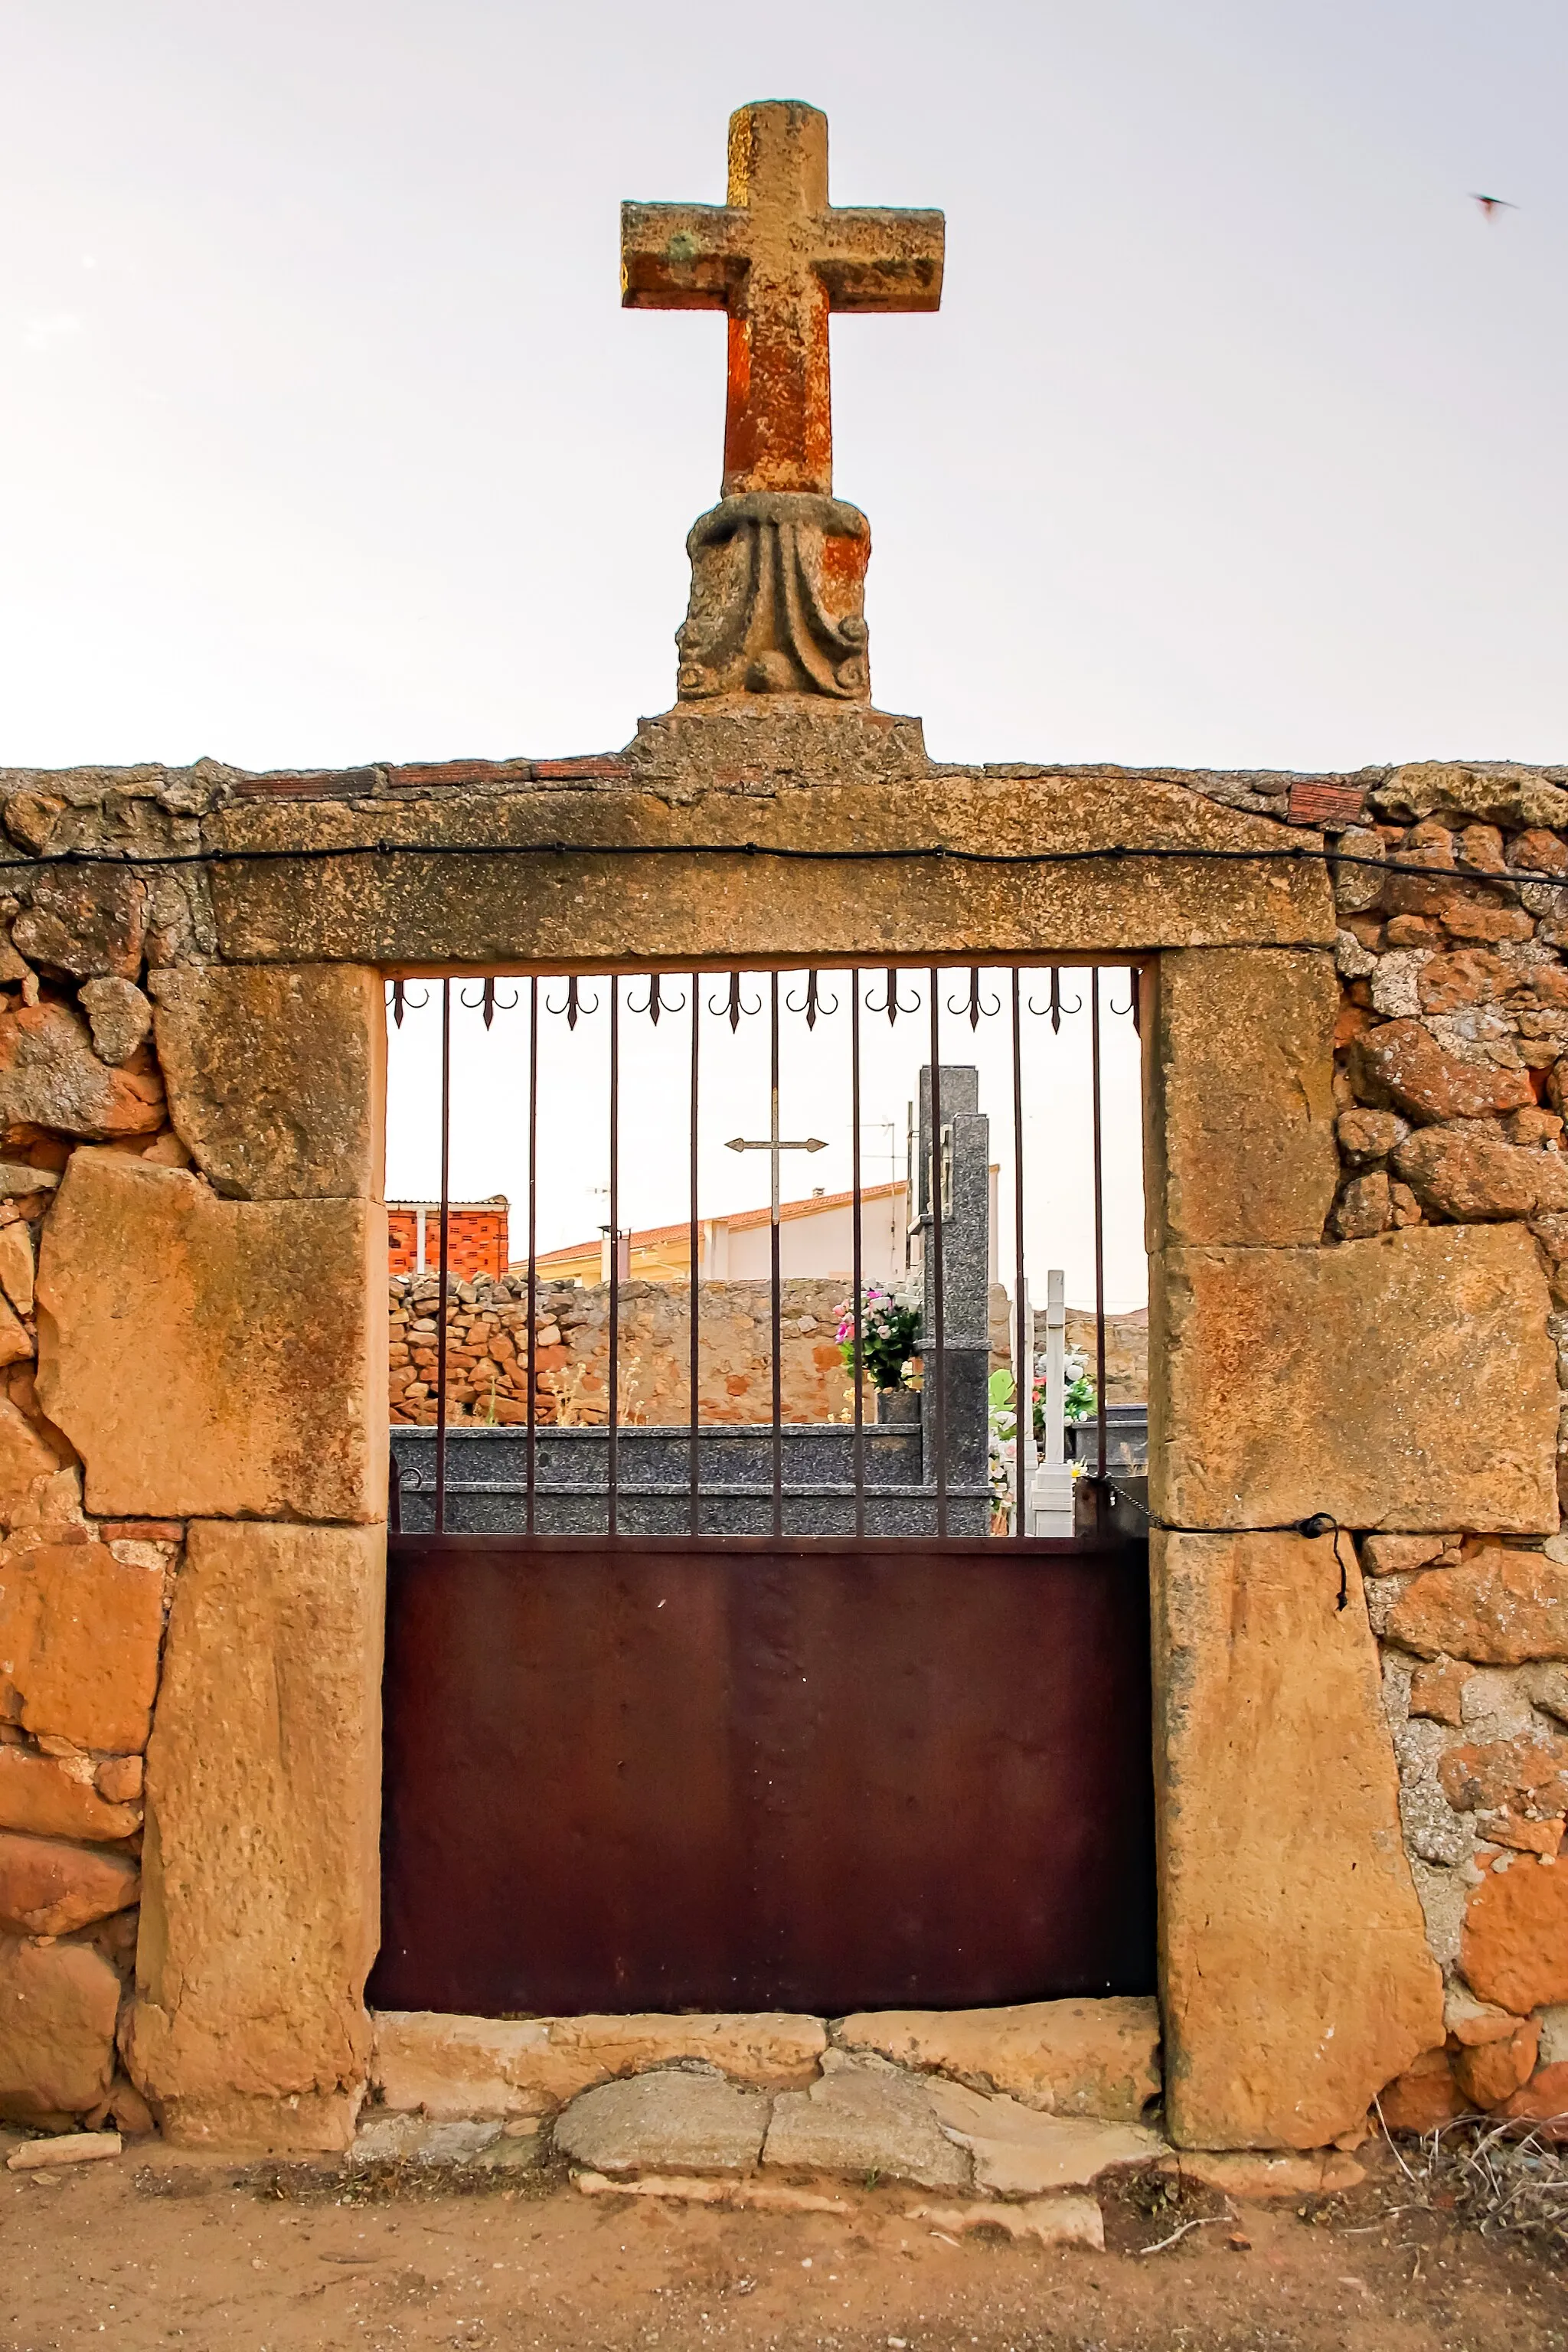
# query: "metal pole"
{"type": "Point", "coordinates": [774, 1156]}
{"type": "Point", "coordinates": [1099, 1241]}
{"type": "Point", "coordinates": [615, 1435]}
{"type": "Point", "coordinates": [532, 1372]}
{"type": "Point", "coordinates": [857, 1308]}
{"type": "Point", "coordinates": [444, 1254]}
{"type": "Point", "coordinates": [694, 1500]}
{"type": "Point", "coordinates": [939, 1409]}
{"type": "Point", "coordinates": [1023, 1350]}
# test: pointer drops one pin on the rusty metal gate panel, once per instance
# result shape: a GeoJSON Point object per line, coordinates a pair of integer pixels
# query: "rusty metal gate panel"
{"type": "Point", "coordinates": [761, 1773]}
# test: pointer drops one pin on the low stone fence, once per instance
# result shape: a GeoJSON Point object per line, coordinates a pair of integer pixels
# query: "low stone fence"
{"type": "Point", "coordinates": [1452, 1081]}
{"type": "Point", "coordinates": [487, 1352]}
{"type": "Point", "coordinates": [487, 1341]}
{"type": "Point", "coordinates": [83, 1601]}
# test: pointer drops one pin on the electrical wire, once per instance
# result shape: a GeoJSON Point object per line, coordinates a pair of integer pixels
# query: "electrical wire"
{"type": "Point", "coordinates": [1316, 1524]}
{"type": "Point", "coordinates": [939, 853]}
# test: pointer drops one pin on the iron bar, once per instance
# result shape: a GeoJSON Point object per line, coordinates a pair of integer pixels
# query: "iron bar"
{"type": "Point", "coordinates": [1099, 1239]}
{"type": "Point", "coordinates": [1024, 1379]}
{"type": "Point", "coordinates": [939, 1336]}
{"type": "Point", "coordinates": [615, 1306]}
{"type": "Point", "coordinates": [774, 1285]}
{"type": "Point", "coordinates": [858, 1377]}
{"type": "Point", "coordinates": [674, 1490]}
{"type": "Point", "coordinates": [953, 1495]}
{"type": "Point", "coordinates": [444, 1254]}
{"type": "Point", "coordinates": [694, 1500]}
{"type": "Point", "coordinates": [532, 1374]}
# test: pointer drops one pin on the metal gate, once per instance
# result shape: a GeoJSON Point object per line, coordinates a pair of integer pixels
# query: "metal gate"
{"type": "Point", "coordinates": [715, 1708]}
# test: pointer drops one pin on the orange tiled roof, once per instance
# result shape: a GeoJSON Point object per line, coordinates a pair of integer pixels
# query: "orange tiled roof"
{"type": "Point", "coordinates": [653, 1237]}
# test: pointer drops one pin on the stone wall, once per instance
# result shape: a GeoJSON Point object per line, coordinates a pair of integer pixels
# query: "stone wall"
{"type": "Point", "coordinates": [1450, 1079]}
{"type": "Point", "coordinates": [84, 1594]}
{"type": "Point", "coordinates": [487, 1357]}
{"type": "Point", "coordinates": [189, 1161]}
{"type": "Point", "coordinates": [487, 1339]}
{"type": "Point", "coordinates": [1347, 1318]}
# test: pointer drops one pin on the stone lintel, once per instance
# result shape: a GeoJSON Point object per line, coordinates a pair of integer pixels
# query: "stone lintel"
{"type": "Point", "coordinates": [593, 904]}
{"type": "Point", "coordinates": [261, 1900]}
{"type": "Point", "coordinates": [1406, 1381]}
{"type": "Point", "coordinates": [1297, 1980]}
{"type": "Point", "coordinates": [1240, 1147]}
{"type": "Point", "coordinates": [214, 1358]}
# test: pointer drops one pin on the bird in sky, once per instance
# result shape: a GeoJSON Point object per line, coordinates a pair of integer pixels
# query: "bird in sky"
{"type": "Point", "coordinates": [1491, 204]}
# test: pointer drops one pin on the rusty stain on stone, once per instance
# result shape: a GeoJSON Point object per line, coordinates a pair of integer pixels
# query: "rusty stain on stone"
{"type": "Point", "coordinates": [778, 258]}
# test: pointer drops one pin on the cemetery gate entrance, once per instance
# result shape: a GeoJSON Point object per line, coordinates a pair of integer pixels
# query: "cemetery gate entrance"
{"type": "Point", "coordinates": [727, 1665]}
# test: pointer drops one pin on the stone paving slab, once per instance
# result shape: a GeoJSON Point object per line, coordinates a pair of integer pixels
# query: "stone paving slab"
{"type": "Point", "coordinates": [865, 2118]}
{"type": "Point", "coordinates": [1019, 2152]}
{"type": "Point", "coordinates": [677, 2120]}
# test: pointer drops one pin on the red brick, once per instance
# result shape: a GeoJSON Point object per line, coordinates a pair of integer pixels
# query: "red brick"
{"type": "Point", "coordinates": [1312, 802]}
{"type": "Point", "coordinates": [567, 772]}
{"type": "Point", "coordinates": [461, 771]}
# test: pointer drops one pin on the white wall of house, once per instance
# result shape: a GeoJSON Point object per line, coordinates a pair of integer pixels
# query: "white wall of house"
{"type": "Point", "coordinates": [819, 1242]}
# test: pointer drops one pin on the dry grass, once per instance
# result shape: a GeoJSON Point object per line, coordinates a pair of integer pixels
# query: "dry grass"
{"type": "Point", "coordinates": [1489, 2177]}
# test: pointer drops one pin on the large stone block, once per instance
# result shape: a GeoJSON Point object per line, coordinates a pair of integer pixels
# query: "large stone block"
{"type": "Point", "coordinates": [1405, 1381]}
{"type": "Point", "coordinates": [78, 1645]}
{"type": "Point", "coordinates": [1515, 1948]}
{"type": "Point", "coordinates": [261, 1869]}
{"type": "Point", "coordinates": [1297, 1979]}
{"type": "Point", "coordinates": [25, 1458]}
{"type": "Point", "coordinates": [50, 1888]}
{"type": "Point", "coordinates": [59, 2004]}
{"type": "Point", "coordinates": [453, 2066]}
{"type": "Point", "coordinates": [50, 1076]}
{"type": "Point", "coordinates": [276, 1077]}
{"type": "Point", "coordinates": [1241, 1133]}
{"type": "Point", "coordinates": [54, 1796]}
{"type": "Point", "coordinates": [84, 921]}
{"type": "Point", "coordinates": [577, 903]}
{"type": "Point", "coordinates": [1064, 2057]}
{"type": "Point", "coordinates": [210, 1357]}
{"type": "Point", "coordinates": [1500, 1608]}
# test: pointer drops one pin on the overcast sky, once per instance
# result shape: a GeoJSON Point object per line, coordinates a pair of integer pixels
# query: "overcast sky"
{"type": "Point", "coordinates": [1238, 439]}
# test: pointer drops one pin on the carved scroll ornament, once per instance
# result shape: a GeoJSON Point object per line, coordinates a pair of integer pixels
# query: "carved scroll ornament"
{"type": "Point", "coordinates": [778, 585]}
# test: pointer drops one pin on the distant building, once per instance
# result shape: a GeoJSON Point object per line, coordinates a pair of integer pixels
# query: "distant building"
{"type": "Point", "coordinates": [816, 1236]}
{"type": "Point", "coordinates": [475, 1237]}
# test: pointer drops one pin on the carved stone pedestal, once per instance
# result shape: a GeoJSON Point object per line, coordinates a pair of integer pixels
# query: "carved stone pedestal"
{"type": "Point", "coordinates": [778, 581]}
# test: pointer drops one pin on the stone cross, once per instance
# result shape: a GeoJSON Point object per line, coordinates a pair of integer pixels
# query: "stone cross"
{"type": "Point", "coordinates": [778, 258]}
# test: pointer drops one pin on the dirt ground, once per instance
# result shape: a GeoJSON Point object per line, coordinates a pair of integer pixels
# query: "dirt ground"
{"type": "Point", "coordinates": [153, 2251]}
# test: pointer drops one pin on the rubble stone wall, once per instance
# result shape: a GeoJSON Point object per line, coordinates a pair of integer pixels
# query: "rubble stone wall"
{"type": "Point", "coordinates": [189, 1229]}
{"type": "Point", "coordinates": [486, 1350]}
{"type": "Point", "coordinates": [84, 1595]}
{"type": "Point", "coordinates": [1451, 1080]}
